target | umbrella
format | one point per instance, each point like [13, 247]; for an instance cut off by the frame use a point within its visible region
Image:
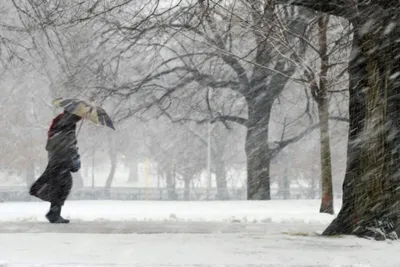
[85, 110]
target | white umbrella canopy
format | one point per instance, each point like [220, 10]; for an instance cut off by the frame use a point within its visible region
[85, 110]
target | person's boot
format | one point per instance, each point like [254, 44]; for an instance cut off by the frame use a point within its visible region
[54, 215]
[59, 218]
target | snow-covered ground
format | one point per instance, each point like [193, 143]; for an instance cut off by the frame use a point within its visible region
[194, 250]
[299, 211]
[233, 233]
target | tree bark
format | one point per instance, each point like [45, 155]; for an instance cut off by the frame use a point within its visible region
[326, 166]
[346, 220]
[257, 149]
[369, 196]
[320, 95]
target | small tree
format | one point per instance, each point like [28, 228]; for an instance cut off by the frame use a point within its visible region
[323, 82]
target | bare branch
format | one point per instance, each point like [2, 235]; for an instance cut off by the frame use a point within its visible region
[339, 8]
[337, 118]
[283, 143]
[236, 119]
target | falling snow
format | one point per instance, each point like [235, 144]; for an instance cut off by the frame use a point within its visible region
[199, 133]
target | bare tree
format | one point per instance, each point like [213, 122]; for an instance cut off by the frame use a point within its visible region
[178, 153]
[323, 82]
[200, 48]
[23, 122]
[113, 160]
[249, 47]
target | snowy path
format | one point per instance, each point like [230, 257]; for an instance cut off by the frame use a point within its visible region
[50, 249]
[168, 227]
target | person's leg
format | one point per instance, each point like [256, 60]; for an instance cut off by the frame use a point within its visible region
[63, 192]
[54, 213]
[60, 194]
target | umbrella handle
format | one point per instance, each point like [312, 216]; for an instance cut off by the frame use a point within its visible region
[83, 118]
[80, 126]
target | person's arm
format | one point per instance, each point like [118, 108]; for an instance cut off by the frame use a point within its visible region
[75, 160]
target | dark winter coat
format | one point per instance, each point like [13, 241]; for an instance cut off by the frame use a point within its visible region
[55, 183]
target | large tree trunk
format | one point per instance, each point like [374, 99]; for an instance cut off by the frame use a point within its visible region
[222, 185]
[257, 149]
[370, 199]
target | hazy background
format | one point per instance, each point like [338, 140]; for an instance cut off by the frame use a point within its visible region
[102, 60]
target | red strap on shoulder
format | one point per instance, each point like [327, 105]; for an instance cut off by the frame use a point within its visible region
[53, 123]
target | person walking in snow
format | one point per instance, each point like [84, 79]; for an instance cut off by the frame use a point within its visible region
[54, 185]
